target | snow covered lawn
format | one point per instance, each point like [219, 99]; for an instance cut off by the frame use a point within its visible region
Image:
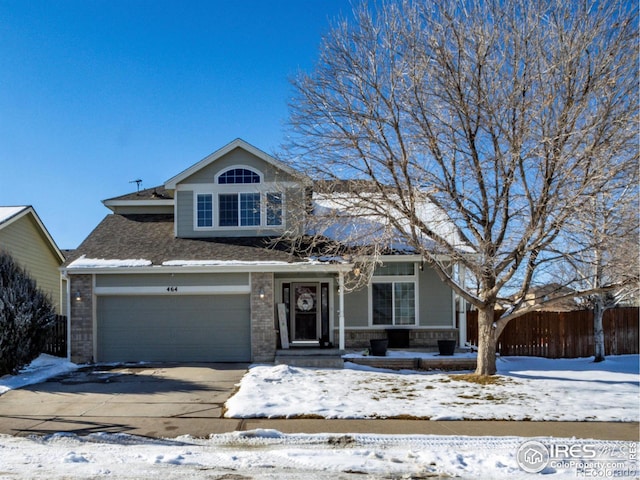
[527, 388]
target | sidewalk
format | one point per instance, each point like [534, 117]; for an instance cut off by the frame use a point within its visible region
[203, 427]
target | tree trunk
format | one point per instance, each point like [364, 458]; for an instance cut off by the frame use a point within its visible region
[598, 331]
[487, 342]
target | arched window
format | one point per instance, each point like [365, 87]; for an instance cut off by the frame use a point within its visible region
[238, 175]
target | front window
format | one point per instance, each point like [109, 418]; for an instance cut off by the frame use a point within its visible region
[243, 207]
[205, 210]
[238, 198]
[249, 209]
[394, 303]
[228, 210]
[274, 209]
[393, 294]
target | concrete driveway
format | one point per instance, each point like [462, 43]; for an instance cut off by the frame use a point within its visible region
[154, 401]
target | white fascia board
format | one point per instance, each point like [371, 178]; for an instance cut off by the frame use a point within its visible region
[179, 290]
[248, 268]
[237, 143]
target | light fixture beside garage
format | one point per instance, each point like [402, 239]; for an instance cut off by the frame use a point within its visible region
[261, 293]
[78, 296]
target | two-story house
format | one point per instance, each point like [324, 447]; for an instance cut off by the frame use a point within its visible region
[189, 272]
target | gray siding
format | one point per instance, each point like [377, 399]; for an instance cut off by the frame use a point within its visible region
[436, 306]
[356, 308]
[184, 215]
[238, 156]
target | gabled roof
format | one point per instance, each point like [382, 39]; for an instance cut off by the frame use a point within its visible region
[237, 143]
[9, 215]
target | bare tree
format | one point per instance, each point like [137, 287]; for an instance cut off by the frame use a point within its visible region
[497, 113]
[605, 238]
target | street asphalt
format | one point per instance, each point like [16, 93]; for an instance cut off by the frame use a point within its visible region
[166, 401]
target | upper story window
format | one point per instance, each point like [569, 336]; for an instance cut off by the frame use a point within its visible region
[238, 175]
[204, 210]
[238, 198]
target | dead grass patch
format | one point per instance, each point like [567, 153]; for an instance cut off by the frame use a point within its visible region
[479, 379]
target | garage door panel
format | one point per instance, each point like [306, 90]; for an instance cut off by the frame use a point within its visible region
[194, 328]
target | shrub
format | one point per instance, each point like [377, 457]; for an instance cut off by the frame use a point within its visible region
[26, 315]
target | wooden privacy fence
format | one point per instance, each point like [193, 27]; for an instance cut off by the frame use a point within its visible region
[57, 339]
[563, 334]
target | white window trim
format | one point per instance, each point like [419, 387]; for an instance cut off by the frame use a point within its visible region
[234, 167]
[396, 279]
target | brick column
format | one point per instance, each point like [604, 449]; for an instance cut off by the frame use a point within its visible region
[263, 333]
[81, 319]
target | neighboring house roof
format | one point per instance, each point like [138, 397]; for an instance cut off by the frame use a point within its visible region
[538, 295]
[151, 239]
[9, 215]
[237, 143]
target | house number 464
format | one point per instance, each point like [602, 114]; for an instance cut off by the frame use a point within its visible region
[172, 289]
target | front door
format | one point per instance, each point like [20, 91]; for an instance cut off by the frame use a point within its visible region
[305, 312]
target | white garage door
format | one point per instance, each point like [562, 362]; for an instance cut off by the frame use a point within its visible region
[194, 328]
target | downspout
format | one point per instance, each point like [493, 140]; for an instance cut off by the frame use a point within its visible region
[341, 309]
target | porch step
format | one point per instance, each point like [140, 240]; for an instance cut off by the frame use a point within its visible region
[310, 357]
[448, 363]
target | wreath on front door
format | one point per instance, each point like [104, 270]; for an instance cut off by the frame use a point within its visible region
[305, 302]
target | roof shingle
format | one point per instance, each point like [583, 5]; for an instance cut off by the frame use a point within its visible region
[151, 237]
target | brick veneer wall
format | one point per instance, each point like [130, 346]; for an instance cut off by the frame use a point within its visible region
[263, 333]
[81, 319]
[417, 338]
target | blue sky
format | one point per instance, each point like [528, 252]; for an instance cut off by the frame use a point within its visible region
[97, 93]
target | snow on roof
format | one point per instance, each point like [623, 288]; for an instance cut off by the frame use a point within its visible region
[7, 212]
[211, 263]
[352, 220]
[84, 262]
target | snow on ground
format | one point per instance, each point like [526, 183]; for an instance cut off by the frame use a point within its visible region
[268, 454]
[526, 388]
[42, 368]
